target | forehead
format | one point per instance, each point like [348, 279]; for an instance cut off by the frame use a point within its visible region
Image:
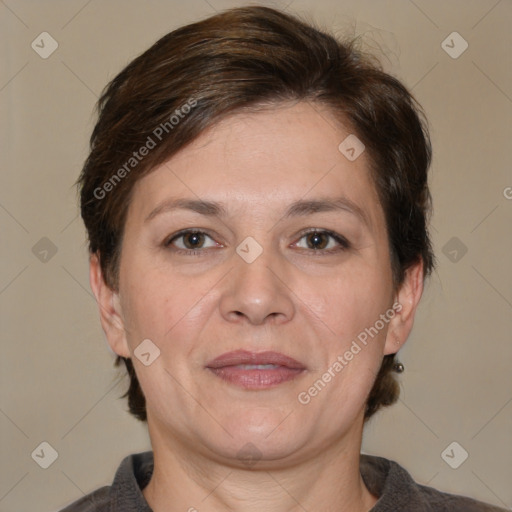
[265, 161]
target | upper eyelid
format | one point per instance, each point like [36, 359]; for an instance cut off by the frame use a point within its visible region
[184, 232]
[329, 232]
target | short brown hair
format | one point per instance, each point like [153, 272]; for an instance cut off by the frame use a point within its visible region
[246, 58]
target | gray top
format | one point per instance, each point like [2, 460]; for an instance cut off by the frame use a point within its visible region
[384, 478]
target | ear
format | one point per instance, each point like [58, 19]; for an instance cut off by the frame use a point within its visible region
[406, 303]
[110, 309]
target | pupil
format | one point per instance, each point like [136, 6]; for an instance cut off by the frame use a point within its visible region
[317, 237]
[193, 236]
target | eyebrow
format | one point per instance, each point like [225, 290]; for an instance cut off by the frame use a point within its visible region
[301, 207]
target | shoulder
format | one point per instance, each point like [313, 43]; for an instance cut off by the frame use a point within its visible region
[125, 493]
[444, 501]
[97, 501]
[396, 491]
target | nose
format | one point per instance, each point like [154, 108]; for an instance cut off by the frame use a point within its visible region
[258, 292]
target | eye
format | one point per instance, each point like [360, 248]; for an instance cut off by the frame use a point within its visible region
[318, 240]
[192, 242]
[191, 239]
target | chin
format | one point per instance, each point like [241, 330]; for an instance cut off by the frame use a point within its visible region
[256, 453]
[261, 432]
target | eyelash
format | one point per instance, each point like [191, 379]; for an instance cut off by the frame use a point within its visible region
[342, 241]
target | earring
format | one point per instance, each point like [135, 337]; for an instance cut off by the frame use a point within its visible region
[398, 367]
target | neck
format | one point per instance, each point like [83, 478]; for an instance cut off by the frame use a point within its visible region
[184, 480]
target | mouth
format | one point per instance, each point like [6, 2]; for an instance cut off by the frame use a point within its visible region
[255, 370]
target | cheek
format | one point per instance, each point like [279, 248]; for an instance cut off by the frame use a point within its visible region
[352, 337]
[146, 300]
[349, 302]
[165, 307]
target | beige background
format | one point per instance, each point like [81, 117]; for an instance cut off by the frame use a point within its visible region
[57, 380]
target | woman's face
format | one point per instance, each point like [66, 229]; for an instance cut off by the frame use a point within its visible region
[254, 280]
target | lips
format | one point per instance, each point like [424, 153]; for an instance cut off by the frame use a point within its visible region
[242, 357]
[255, 370]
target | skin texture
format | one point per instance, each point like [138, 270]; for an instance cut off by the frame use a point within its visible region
[307, 303]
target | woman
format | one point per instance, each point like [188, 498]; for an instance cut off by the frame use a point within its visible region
[256, 201]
